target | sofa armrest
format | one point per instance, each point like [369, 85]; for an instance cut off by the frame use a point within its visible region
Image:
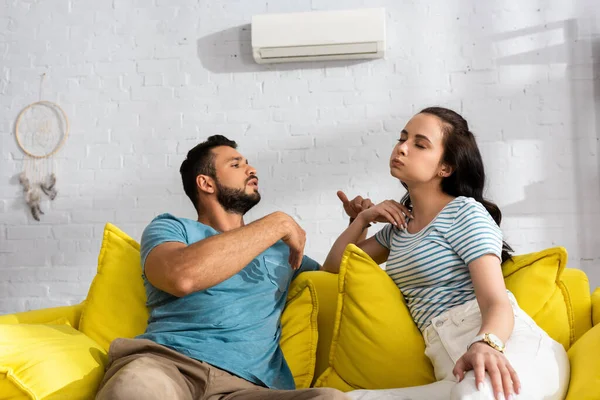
[596, 306]
[584, 357]
[45, 315]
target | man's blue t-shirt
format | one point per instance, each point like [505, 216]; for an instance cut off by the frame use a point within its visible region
[234, 325]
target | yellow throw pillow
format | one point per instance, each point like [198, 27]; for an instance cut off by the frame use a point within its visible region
[299, 334]
[49, 362]
[584, 358]
[534, 279]
[376, 344]
[116, 302]
[59, 321]
[596, 307]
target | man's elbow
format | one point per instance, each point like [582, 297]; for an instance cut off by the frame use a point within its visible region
[178, 286]
[181, 288]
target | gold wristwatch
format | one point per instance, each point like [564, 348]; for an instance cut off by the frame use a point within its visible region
[490, 339]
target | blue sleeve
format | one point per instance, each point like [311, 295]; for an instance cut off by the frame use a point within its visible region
[384, 236]
[308, 264]
[161, 230]
[474, 233]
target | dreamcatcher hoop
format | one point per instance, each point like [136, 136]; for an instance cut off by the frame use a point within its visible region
[36, 135]
[20, 139]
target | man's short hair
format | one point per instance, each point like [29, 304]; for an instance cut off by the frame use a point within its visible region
[201, 161]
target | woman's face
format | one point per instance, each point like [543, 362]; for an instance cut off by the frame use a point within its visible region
[416, 159]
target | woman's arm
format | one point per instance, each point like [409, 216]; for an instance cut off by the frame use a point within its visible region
[354, 234]
[496, 312]
[497, 317]
[387, 211]
[477, 240]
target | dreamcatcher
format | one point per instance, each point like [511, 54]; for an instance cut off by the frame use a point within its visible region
[41, 130]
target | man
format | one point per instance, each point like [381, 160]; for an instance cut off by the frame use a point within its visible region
[216, 289]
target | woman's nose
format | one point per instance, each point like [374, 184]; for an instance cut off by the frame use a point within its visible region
[402, 149]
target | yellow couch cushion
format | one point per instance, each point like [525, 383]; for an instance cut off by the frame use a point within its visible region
[596, 307]
[48, 362]
[116, 302]
[374, 332]
[325, 285]
[584, 357]
[535, 281]
[299, 334]
[45, 316]
[577, 290]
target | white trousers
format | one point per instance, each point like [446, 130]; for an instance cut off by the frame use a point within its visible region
[540, 362]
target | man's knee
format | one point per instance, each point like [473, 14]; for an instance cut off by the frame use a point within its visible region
[143, 378]
[329, 394]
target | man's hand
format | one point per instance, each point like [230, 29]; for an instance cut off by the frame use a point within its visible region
[355, 206]
[295, 238]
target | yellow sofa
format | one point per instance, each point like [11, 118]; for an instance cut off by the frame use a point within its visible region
[39, 363]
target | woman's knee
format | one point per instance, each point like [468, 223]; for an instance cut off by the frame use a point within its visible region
[467, 389]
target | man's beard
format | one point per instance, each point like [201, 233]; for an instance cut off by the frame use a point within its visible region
[236, 201]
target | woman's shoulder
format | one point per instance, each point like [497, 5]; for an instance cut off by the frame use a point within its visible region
[468, 214]
[459, 212]
[463, 205]
[455, 207]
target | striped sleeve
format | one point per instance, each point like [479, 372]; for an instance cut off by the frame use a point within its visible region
[474, 233]
[384, 236]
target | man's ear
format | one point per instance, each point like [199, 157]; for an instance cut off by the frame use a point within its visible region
[205, 184]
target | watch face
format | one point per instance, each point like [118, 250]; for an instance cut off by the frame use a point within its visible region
[495, 340]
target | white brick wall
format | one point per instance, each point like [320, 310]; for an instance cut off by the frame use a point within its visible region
[144, 81]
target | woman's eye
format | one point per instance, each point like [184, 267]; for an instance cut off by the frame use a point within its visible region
[236, 165]
[420, 146]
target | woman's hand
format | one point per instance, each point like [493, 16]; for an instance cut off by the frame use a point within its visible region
[388, 211]
[481, 358]
[354, 206]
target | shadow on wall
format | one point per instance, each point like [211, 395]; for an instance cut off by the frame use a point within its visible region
[595, 45]
[230, 51]
[555, 54]
[580, 54]
[595, 50]
[596, 69]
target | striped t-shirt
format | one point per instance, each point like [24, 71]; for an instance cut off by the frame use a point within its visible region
[431, 267]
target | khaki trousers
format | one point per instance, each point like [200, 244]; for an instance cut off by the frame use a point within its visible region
[143, 369]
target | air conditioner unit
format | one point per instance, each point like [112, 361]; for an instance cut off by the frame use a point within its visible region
[318, 35]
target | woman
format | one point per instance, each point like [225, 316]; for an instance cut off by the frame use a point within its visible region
[443, 248]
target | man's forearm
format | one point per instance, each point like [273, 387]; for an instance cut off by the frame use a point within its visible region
[217, 258]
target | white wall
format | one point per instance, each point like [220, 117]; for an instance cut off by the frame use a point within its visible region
[143, 81]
